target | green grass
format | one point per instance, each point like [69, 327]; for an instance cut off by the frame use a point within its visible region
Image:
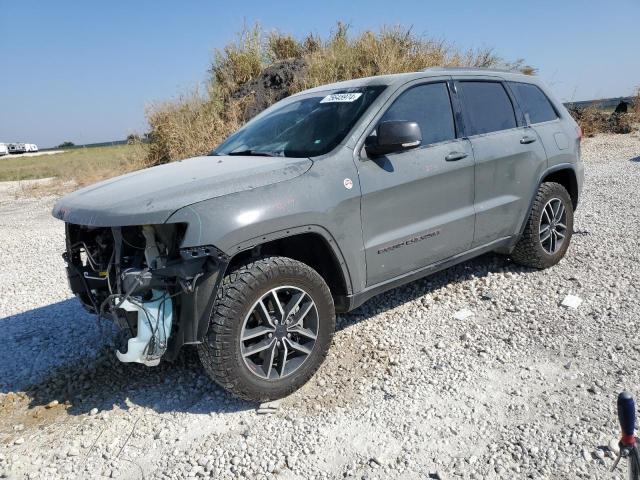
[82, 165]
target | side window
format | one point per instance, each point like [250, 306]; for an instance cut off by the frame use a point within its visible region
[533, 101]
[486, 107]
[430, 106]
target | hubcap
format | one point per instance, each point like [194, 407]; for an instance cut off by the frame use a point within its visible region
[553, 226]
[279, 333]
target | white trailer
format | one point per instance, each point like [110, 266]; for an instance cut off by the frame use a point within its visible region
[17, 148]
[4, 150]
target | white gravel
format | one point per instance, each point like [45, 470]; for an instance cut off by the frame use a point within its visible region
[31, 154]
[522, 389]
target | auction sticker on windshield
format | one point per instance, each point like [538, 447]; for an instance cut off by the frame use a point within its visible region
[341, 97]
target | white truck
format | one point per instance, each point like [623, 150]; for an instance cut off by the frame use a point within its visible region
[4, 150]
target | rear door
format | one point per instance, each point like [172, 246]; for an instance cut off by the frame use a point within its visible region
[509, 158]
[417, 205]
[545, 120]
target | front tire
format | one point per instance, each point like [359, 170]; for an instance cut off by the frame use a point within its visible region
[271, 328]
[548, 231]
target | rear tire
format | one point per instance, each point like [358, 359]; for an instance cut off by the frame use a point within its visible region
[256, 307]
[549, 228]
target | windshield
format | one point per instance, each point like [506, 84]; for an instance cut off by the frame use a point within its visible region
[311, 126]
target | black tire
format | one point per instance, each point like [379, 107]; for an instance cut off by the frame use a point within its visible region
[529, 250]
[241, 288]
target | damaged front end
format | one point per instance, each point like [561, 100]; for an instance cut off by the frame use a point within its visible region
[159, 295]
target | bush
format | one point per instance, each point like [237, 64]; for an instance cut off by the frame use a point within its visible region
[593, 120]
[257, 70]
[190, 125]
[133, 139]
[66, 144]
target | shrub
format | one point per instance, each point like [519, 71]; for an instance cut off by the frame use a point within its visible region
[392, 50]
[237, 63]
[282, 47]
[190, 125]
[133, 139]
[257, 69]
[593, 120]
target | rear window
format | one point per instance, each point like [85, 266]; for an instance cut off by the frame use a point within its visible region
[533, 101]
[486, 107]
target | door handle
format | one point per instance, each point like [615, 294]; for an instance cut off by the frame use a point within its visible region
[527, 139]
[453, 156]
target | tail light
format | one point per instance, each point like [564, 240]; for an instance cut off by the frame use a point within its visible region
[579, 132]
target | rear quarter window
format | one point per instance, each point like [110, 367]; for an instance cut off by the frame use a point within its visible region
[486, 107]
[533, 102]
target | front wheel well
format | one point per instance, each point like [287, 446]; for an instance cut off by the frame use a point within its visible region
[309, 248]
[567, 178]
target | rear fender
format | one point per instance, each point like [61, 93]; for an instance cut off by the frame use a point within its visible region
[556, 168]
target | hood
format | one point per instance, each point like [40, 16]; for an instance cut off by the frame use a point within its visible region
[150, 196]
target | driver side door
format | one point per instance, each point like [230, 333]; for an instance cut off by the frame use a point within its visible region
[418, 205]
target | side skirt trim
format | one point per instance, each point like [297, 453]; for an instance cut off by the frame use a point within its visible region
[351, 302]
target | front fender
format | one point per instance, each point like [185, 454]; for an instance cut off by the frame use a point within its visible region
[246, 237]
[316, 202]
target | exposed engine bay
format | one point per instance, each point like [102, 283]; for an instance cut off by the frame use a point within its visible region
[158, 295]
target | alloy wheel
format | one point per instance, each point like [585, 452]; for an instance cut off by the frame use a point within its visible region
[553, 226]
[279, 333]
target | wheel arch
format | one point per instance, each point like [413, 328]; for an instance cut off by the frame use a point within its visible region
[566, 176]
[310, 244]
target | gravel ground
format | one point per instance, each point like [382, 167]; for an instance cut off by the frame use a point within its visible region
[31, 154]
[523, 389]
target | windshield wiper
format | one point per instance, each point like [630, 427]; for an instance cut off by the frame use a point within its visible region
[255, 153]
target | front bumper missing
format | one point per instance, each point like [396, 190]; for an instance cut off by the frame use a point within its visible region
[159, 309]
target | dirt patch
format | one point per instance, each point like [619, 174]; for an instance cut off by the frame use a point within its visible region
[103, 381]
[44, 188]
[73, 390]
[18, 416]
[272, 85]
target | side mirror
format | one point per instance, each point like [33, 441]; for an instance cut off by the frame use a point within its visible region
[393, 136]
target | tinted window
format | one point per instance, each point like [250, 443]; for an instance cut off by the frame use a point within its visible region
[428, 105]
[486, 107]
[533, 101]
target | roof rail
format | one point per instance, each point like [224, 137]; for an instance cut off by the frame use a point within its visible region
[475, 69]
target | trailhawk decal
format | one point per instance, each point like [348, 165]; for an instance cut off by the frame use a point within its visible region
[410, 241]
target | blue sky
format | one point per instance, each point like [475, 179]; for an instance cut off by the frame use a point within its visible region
[85, 71]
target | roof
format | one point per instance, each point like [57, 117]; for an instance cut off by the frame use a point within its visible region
[473, 70]
[399, 78]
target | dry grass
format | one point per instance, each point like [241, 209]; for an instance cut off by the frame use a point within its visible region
[593, 120]
[73, 168]
[195, 123]
[391, 50]
[190, 126]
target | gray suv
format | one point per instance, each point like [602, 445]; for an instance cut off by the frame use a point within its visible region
[325, 199]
